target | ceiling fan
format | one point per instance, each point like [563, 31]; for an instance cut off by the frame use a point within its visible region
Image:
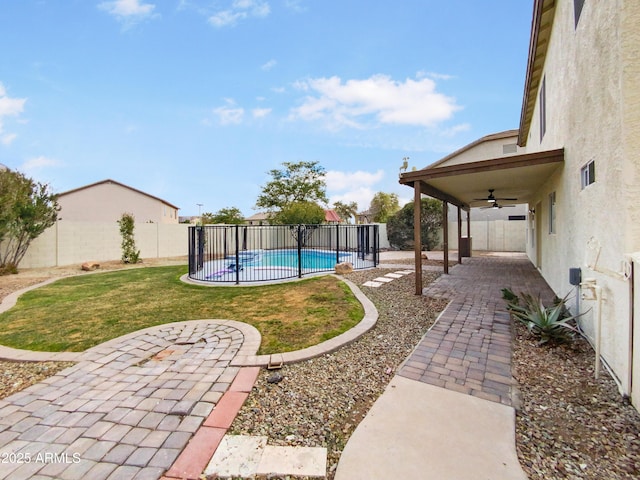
[492, 199]
[496, 205]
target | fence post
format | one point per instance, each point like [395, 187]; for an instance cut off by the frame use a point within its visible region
[337, 243]
[376, 244]
[237, 256]
[299, 251]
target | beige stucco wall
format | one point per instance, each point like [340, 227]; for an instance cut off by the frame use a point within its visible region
[591, 81]
[106, 202]
[69, 243]
[485, 150]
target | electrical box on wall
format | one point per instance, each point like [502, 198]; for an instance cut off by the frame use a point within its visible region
[575, 276]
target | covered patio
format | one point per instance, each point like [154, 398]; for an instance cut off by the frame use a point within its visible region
[475, 183]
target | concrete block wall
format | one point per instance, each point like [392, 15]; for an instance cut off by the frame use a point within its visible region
[493, 236]
[68, 243]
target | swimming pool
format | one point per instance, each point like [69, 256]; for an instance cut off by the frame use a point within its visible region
[251, 253]
[257, 265]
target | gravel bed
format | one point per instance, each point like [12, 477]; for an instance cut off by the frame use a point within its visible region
[319, 402]
[570, 425]
[15, 376]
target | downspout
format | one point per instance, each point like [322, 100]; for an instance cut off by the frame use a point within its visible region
[631, 321]
[592, 291]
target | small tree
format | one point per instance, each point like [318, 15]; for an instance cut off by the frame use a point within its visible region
[297, 182]
[400, 225]
[228, 216]
[303, 218]
[27, 209]
[129, 252]
[306, 213]
[346, 210]
[383, 205]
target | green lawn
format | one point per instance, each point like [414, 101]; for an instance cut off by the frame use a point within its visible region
[76, 313]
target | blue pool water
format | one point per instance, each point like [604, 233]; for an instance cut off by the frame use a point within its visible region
[311, 259]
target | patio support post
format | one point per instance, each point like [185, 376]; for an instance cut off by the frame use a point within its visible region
[445, 235]
[417, 238]
[459, 234]
[469, 232]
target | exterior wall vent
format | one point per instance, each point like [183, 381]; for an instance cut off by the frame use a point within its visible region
[510, 148]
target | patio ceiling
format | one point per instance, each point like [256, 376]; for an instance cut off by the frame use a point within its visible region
[516, 176]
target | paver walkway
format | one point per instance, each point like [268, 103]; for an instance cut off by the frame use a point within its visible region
[468, 350]
[129, 407]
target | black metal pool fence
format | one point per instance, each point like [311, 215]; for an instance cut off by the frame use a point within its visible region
[254, 253]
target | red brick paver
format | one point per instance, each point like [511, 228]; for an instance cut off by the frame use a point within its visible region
[468, 350]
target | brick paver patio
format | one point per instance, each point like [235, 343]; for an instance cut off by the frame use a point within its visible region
[469, 348]
[129, 407]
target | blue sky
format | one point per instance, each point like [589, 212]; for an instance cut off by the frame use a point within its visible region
[195, 101]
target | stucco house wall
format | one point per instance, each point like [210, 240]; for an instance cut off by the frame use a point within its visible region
[592, 92]
[107, 200]
[501, 144]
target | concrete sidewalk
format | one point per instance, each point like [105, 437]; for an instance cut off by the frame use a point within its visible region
[448, 413]
[416, 430]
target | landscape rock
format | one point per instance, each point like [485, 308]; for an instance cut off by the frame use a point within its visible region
[90, 266]
[344, 268]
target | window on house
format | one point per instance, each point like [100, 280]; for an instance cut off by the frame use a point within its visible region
[588, 174]
[577, 9]
[543, 107]
[552, 212]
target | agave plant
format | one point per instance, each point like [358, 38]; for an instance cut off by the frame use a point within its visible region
[510, 297]
[546, 323]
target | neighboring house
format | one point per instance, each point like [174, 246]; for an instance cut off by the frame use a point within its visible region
[260, 218]
[107, 200]
[330, 216]
[577, 166]
[364, 217]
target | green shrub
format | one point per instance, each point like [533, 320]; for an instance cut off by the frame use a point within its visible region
[129, 252]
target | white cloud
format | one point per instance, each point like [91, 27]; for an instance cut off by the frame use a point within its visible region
[337, 181]
[9, 107]
[38, 163]
[361, 195]
[295, 5]
[260, 112]
[269, 65]
[352, 186]
[435, 75]
[7, 138]
[240, 10]
[230, 113]
[373, 101]
[128, 11]
[453, 131]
